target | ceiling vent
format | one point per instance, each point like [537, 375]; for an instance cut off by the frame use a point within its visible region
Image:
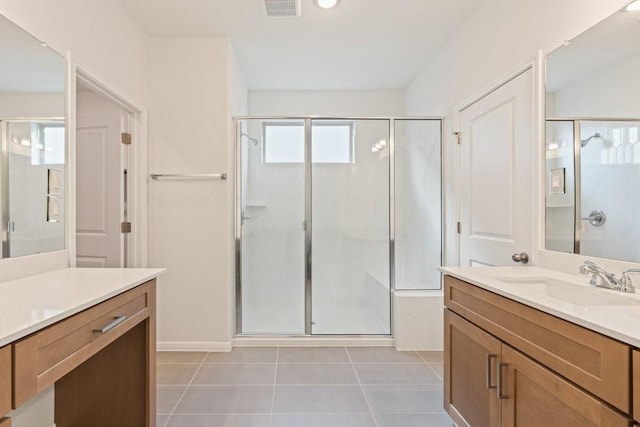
[282, 8]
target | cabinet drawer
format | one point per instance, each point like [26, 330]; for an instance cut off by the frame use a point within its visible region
[5, 422]
[595, 362]
[5, 380]
[46, 356]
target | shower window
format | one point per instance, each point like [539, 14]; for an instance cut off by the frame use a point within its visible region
[332, 142]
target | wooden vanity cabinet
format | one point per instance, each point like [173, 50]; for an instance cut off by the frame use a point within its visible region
[507, 364]
[5, 381]
[470, 390]
[101, 360]
[5, 422]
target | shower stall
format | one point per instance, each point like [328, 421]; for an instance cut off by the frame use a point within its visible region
[332, 215]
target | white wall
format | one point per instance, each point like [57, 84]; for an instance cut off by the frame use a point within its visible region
[22, 105]
[194, 85]
[500, 37]
[101, 36]
[602, 93]
[327, 103]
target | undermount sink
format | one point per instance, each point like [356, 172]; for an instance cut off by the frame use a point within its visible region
[570, 292]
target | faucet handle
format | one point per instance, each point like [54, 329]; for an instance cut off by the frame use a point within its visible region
[625, 280]
[587, 267]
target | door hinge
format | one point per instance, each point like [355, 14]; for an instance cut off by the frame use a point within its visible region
[126, 138]
[458, 136]
[125, 227]
[459, 228]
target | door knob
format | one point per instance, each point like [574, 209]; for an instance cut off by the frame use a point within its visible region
[521, 257]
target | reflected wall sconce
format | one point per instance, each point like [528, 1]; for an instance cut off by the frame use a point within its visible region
[380, 145]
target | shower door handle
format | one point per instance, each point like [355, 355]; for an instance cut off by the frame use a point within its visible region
[243, 217]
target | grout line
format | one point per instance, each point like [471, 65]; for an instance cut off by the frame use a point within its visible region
[366, 399]
[275, 379]
[436, 372]
[431, 367]
[185, 390]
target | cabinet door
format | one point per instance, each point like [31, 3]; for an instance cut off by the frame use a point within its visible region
[5, 380]
[471, 357]
[534, 396]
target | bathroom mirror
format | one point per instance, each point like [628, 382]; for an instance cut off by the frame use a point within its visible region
[592, 189]
[32, 159]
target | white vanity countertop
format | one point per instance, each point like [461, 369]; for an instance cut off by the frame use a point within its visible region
[570, 297]
[32, 303]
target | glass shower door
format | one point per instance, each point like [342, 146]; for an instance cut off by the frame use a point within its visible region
[272, 177]
[350, 227]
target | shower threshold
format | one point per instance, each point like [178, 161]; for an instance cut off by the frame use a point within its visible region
[313, 341]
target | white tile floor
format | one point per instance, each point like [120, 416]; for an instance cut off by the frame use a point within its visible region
[301, 387]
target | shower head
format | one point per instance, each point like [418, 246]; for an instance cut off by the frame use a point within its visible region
[584, 142]
[253, 140]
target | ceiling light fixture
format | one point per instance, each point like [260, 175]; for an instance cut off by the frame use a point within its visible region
[326, 4]
[632, 7]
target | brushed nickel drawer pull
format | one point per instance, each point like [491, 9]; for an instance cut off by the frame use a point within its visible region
[499, 392]
[116, 321]
[490, 359]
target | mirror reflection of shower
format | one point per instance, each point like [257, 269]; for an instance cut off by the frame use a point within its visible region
[597, 135]
[603, 158]
[254, 141]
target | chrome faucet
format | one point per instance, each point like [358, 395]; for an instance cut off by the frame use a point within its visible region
[602, 278]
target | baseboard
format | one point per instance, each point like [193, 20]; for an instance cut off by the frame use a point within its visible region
[208, 346]
[257, 341]
[419, 349]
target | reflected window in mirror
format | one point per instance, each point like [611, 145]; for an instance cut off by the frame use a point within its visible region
[592, 141]
[33, 139]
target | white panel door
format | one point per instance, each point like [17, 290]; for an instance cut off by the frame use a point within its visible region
[99, 189]
[496, 175]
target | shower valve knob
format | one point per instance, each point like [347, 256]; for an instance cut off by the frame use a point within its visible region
[596, 218]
